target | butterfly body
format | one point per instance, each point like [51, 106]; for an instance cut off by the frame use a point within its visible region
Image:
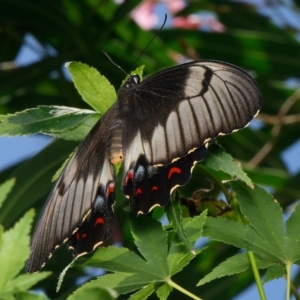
[158, 128]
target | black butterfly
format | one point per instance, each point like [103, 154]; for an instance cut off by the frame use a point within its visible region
[159, 128]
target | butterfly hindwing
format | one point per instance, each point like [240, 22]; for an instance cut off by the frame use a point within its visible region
[75, 194]
[147, 186]
[98, 225]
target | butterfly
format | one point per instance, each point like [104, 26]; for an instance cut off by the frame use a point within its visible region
[158, 128]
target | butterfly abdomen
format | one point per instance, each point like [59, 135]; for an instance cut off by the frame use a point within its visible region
[115, 149]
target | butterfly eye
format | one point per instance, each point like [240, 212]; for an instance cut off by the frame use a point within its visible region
[132, 81]
[136, 79]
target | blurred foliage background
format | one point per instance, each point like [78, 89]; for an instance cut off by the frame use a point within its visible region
[261, 37]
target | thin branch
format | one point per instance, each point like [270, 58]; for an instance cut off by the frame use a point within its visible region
[295, 290]
[286, 120]
[278, 122]
[216, 180]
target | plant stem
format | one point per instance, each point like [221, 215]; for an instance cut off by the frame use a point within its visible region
[295, 291]
[177, 222]
[229, 198]
[234, 204]
[256, 275]
[217, 180]
[182, 290]
[288, 281]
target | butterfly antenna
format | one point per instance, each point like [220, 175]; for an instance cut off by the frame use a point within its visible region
[158, 32]
[113, 62]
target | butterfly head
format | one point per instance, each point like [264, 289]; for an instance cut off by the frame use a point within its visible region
[125, 94]
[132, 81]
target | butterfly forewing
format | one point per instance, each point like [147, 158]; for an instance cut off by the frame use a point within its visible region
[160, 128]
[181, 108]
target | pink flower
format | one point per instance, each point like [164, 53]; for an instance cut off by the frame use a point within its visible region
[174, 6]
[144, 14]
[198, 22]
[215, 25]
[189, 22]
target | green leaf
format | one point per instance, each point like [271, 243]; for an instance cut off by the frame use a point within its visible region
[59, 121]
[217, 159]
[122, 283]
[5, 188]
[93, 293]
[274, 272]
[23, 282]
[194, 227]
[93, 87]
[264, 235]
[174, 215]
[62, 275]
[163, 291]
[133, 272]
[79, 132]
[138, 71]
[178, 256]
[144, 293]
[35, 187]
[264, 214]
[151, 241]
[115, 260]
[292, 245]
[273, 177]
[233, 265]
[15, 249]
[8, 297]
[237, 234]
[1, 235]
[30, 296]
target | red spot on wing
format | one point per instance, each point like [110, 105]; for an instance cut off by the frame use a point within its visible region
[128, 177]
[99, 221]
[138, 191]
[78, 237]
[173, 170]
[154, 188]
[110, 189]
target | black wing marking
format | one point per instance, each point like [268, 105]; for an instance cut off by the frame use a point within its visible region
[99, 224]
[179, 109]
[75, 196]
[147, 186]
